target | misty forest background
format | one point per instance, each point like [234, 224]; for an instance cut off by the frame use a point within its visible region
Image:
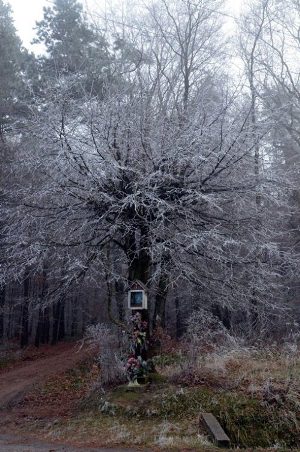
[151, 143]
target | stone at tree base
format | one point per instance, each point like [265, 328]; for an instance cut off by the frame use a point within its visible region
[137, 387]
[215, 430]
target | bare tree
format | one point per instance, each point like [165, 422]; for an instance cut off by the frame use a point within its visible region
[154, 180]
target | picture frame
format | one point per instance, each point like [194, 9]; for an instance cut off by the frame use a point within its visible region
[137, 299]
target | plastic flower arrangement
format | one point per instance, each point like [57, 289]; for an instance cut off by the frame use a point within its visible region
[139, 343]
[136, 366]
[136, 369]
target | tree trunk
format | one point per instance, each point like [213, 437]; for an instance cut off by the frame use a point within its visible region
[119, 294]
[223, 314]
[139, 267]
[61, 327]
[178, 318]
[162, 292]
[24, 317]
[159, 316]
[58, 321]
[46, 327]
[2, 305]
[42, 331]
[38, 330]
[138, 256]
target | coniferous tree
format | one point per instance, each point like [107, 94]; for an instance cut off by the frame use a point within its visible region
[10, 96]
[10, 69]
[74, 47]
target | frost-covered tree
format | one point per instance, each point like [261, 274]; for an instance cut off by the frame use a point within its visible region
[154, 180]
[275, 89]
[74, 47]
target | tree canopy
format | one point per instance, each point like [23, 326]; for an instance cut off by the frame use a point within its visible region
[145, 157]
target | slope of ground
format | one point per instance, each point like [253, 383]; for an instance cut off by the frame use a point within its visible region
[254, 394]
[13, 444]
[15, 381]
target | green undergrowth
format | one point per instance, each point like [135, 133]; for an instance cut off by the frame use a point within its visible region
[248, 421]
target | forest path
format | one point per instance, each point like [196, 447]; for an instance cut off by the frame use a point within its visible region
[16, 381]
[10, 443]
[16, 419]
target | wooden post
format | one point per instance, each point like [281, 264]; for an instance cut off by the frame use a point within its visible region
[214, 429]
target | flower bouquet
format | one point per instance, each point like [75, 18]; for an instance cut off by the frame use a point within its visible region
[136, 370]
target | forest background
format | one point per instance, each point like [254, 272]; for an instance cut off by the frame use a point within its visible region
[151, 144]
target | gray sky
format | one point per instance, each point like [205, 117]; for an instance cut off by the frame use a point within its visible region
[27, 12]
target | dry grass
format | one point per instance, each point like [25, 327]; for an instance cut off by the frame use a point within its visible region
[248, 369]
[255, 394]
[101, 430]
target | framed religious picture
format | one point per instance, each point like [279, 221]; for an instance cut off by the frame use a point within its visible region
[137, 296]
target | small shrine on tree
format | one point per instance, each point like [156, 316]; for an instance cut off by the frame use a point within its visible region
[137, 366]
[137, 296]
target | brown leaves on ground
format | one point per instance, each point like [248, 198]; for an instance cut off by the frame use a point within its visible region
[52, 383]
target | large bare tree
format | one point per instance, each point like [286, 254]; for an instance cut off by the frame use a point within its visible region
[154, 180]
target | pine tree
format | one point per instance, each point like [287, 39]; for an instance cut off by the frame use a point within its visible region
[10, 68]
[73, 46]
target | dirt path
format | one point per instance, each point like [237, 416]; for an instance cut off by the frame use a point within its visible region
[13, 444]
[15, 382]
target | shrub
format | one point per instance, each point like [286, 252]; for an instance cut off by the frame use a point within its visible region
[110, 348]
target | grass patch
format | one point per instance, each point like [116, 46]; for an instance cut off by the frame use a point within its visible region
[249, 422]
[91, 429]
[255, 397]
